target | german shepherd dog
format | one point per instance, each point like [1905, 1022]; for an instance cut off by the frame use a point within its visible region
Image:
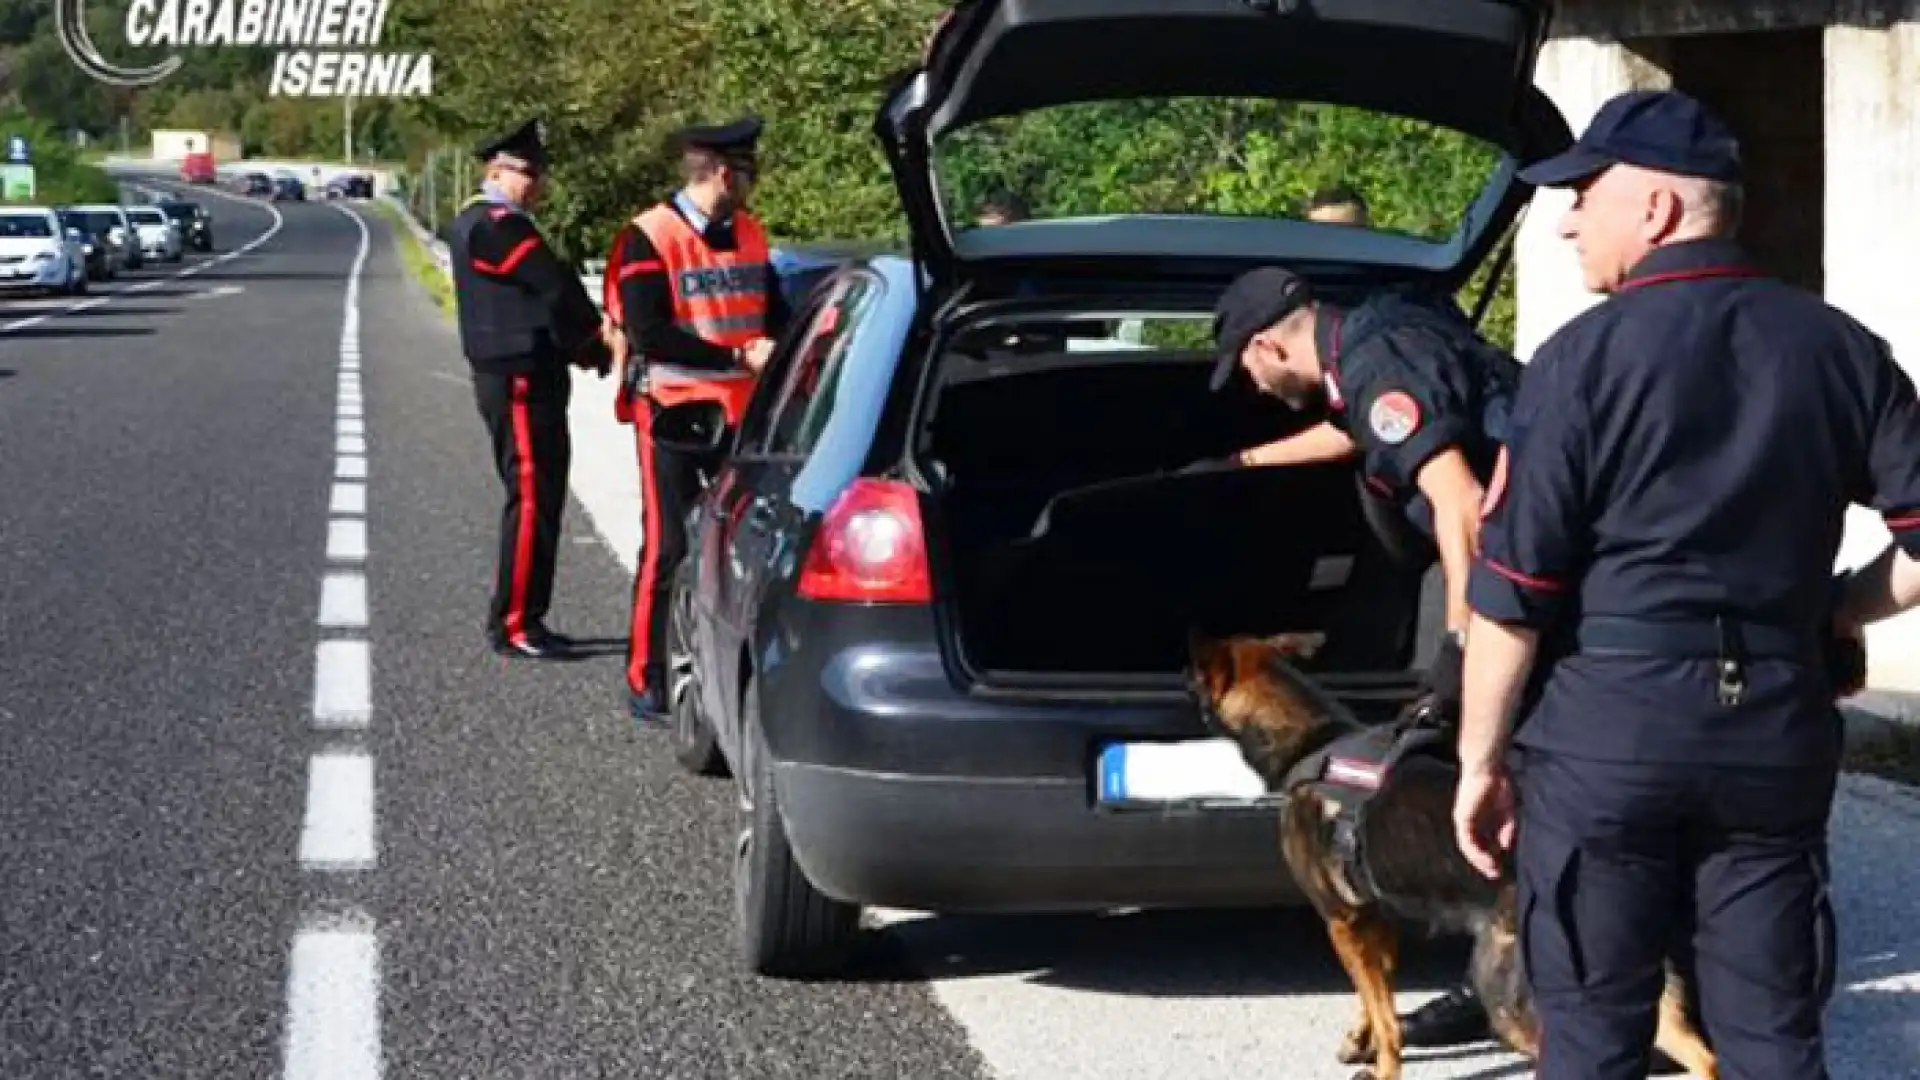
[1250, 690]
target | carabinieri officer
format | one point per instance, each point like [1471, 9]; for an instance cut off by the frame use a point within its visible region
[1655, 595]
[524, 316]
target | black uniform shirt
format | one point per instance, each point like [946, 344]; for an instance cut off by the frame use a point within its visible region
[503, 245]
[646, 298]
[1406, 380]
[1687, 449]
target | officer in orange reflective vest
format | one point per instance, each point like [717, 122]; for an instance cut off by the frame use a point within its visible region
[524, 317]
[690, 282]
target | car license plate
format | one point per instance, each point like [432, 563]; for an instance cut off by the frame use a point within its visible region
[1194, 771]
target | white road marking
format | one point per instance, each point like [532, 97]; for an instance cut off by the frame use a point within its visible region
[343, 685]
[333, 1003]
[343, 601]
[347, 540]
[349, 412]
[348, 499]
[154, 283]
[351, 427]
[338, 831]
[351, 468]
[350, 444]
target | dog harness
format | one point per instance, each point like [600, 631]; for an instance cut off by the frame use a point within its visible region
[1352, 770]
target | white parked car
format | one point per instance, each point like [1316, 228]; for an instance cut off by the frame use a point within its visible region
[122, 233]
[37, 253]
[160, 237]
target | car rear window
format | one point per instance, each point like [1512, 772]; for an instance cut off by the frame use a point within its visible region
[25, 226]
[147, 215]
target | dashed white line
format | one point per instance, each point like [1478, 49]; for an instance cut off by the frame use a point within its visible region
[351, 468]
[352, 427]
[348, 499]
[351, 444]
[347, 540]
[338, 831]
[343, 602]
[343, 685]
[333, 1003]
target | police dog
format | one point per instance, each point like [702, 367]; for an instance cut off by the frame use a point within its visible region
[1251, 690]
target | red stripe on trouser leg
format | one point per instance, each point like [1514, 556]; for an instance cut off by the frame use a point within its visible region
[649, 569]
[515, 623]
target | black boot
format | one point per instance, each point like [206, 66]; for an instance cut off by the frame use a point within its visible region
[1452, 1019]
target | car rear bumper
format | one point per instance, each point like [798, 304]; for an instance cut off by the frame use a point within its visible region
[982, 843]
[900, 791]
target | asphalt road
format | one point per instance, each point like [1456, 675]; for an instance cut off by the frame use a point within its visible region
[269, 808]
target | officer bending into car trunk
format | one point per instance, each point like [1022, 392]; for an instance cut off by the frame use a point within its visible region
[1420, 400]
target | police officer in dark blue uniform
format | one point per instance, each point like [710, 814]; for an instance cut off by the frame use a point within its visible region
[1421, 401]
[524, 318]
[1655, 596]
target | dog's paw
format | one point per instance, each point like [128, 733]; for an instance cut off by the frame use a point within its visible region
[1365, 1074]
[1355, 1050]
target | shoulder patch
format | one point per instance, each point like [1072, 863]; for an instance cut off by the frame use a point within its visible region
[1394, 417]
[495, 213]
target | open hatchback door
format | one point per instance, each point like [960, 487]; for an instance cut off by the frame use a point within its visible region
[1066, 102]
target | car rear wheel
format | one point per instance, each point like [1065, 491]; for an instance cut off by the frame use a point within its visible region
[784, 926]
[694, 745]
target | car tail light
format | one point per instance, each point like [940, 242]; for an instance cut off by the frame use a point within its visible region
[870, 547]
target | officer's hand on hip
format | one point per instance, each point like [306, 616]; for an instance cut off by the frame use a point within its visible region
[1483, 821]
[756, 354]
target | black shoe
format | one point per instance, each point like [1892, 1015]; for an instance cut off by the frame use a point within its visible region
[535, 647]
[649, 709]
[1452, 1019]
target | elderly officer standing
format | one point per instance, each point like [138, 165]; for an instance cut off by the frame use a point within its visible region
[1655, 585]
[690, 283]
[524, 316]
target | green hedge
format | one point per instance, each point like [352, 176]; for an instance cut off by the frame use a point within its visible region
[60, 176]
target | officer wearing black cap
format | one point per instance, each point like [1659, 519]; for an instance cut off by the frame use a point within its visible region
[1421, 400]
[690, 284]
[524, 317]
[1654, 594]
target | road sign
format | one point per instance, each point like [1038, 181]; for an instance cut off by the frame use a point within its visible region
[17, 150]
[16, 183]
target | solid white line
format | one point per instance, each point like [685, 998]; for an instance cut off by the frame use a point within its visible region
[343, 601]
[347, 540]
[343, 685]
[351, 468]
[350, 444]
[348, 499]
[333, 1004]
[338, 832]
[154, 283]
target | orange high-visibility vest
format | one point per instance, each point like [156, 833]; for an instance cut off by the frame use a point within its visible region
[718, 296]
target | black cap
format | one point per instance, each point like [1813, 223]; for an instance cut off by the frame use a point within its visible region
[526, 142]
[735, 141]
[1663, 130]
[1255, 301]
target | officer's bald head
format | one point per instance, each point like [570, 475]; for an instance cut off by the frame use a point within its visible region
[1623, 212]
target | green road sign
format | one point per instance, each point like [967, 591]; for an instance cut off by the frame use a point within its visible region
[16, 183]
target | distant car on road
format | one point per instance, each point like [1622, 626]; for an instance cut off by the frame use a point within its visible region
[350, 186]
[112, 217]
[253, 184]
[198, 168]
[106, 258]
[289, 189]
[38, 253]
[195, 222]
[160, 238]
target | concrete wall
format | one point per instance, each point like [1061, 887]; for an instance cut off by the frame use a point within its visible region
[1871, 198]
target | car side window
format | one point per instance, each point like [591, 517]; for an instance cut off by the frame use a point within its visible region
[807, 395]
[757, 422]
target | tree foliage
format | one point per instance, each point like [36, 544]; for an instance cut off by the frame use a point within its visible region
[614, 78]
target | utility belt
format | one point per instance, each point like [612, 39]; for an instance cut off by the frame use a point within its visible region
[644, 375]
[1730, 643]
[670, 384]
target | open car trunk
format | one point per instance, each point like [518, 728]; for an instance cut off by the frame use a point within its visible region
[1070, 553]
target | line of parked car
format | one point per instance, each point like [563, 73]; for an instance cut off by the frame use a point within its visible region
[64, 249]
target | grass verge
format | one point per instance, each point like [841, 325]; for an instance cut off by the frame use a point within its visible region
[418, 260]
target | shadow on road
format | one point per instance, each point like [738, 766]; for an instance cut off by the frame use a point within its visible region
[56, 330]
[1232, 953]
[120, 309]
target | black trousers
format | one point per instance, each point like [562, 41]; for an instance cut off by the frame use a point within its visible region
[1612, 857]
[669, 485]
[526, 416]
